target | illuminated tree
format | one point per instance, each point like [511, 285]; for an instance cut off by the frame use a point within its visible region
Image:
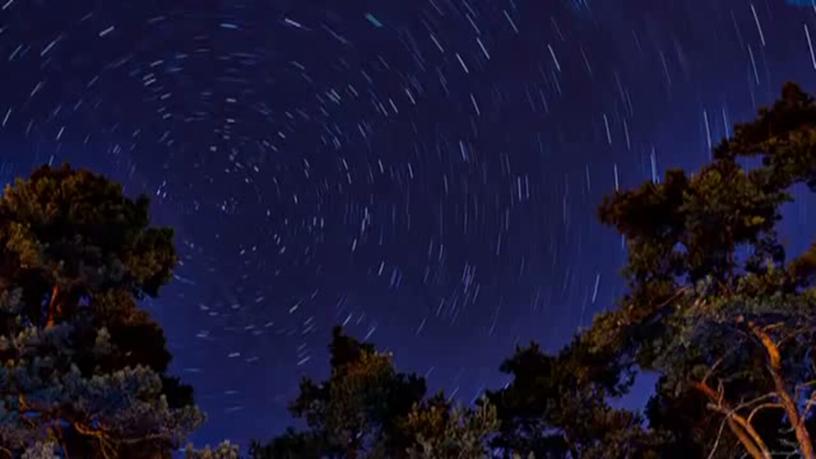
[82, 367]
[713, 307]
[368, 409]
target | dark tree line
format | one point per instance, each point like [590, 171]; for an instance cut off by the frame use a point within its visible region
[714, 307]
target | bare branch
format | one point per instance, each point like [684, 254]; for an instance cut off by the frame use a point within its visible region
[717, 441]
[811, 401]
[775, 370]
[745, 433]
[762, 407]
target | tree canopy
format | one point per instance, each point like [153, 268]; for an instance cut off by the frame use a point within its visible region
[368, 409]
[714, 307]
[83, 367]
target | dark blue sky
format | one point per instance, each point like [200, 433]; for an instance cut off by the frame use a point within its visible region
[425, 171]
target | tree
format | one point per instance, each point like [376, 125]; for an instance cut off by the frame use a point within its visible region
[368, 409]
[713, 307]
[224, 450]
[557, 406]
[83, 367]
[290, 445]
[356, 411]
[446, 431]
[713, 304]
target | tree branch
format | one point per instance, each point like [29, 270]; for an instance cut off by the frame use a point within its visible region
[745, 433]
[811, 401]
[717, 441]
[54, 307]
[775, 369]
[762, 407]
[101, 437]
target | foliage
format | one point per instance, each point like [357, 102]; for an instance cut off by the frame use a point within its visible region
[450, 432]
[83, 368]
[225, 450]
[712, 307]
[556, 406]
[368, 409]
[357, 410]
[290, 445]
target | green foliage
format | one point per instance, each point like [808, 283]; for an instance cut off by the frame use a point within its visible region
[450, 432]
[368, 409]
[291, 445]
[708, 273]
[357, 410]
[78, 230]
[558, 406]
[713, 307]
[82, 368]
[225, 450]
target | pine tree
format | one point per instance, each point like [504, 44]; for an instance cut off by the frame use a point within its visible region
[82, 367]
[714, 308]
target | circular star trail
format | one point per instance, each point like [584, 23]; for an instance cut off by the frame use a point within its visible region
[424, 172]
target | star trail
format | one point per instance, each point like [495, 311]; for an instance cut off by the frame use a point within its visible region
[423, 172]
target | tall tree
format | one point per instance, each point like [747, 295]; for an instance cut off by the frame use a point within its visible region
[713, 306]
[82, 367]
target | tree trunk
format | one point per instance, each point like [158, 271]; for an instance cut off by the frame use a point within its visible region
[54, 308]
[789, 405]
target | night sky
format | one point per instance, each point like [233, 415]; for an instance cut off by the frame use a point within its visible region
[425, 172]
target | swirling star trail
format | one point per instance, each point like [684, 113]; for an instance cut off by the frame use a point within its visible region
[424, 172]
